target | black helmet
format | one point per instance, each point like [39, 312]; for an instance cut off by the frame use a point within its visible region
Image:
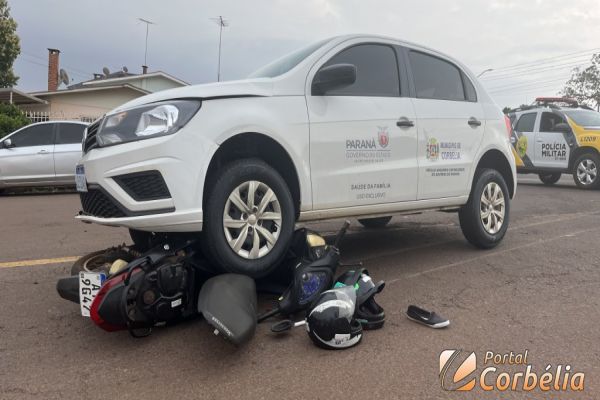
[330, 323]
[368, 312]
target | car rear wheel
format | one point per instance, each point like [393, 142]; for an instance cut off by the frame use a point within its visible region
[484, 219]
[550, 179]
[249, 218]
[374, 223]
[586, 171]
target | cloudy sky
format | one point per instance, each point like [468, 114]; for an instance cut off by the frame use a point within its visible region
[531, 44]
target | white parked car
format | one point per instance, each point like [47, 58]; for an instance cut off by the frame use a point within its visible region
[41, 154]
[354, 126]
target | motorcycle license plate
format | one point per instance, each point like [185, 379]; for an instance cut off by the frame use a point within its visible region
[89, 285]
[80, 181]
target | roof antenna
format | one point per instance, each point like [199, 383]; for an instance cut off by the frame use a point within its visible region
[148, 23]
[222, 22]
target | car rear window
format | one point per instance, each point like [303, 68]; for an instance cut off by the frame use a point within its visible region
[435, 78]
[585, 118]
[70, 133]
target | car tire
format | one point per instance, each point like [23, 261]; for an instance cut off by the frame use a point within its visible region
[485, 228]
[585, 171]
[550, 179]
[255, 240]
[375, 223]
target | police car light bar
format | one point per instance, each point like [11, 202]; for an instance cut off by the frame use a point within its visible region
[549, 100]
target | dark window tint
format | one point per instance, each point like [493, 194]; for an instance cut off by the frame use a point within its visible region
[549, 121]
[435, 78]
[70, 133]
[36, 135]
[470, 92]
[376, 71]
[526, 123]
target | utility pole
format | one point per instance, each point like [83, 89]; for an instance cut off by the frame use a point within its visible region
[148, 23]
[222, 22]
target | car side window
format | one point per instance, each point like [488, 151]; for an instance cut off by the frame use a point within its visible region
[435, 78]
[35, 135]
[70, 133]
[526, 123]
[376, 71]
[549, 121]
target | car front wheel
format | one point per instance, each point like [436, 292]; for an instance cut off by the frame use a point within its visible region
[484, 219]
[585, 173]
[249, 218]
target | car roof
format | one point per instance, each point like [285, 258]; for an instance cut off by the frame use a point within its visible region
[59, 122]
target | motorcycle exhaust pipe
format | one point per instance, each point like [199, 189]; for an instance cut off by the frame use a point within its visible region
[68, 288]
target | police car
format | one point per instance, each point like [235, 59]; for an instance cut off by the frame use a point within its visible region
[557, 136]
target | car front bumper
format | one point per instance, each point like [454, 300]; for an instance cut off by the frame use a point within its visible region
[181, 159]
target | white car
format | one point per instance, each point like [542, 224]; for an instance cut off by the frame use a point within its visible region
[41, 154]
[354, 126]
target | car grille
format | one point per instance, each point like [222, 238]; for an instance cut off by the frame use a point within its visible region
[90, 139]
[95, 203]
[144, 186]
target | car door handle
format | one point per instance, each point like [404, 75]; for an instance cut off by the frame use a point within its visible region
[405, 123]
[43, 152]
[474, 122]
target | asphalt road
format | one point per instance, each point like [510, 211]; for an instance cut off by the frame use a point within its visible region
[537, 291]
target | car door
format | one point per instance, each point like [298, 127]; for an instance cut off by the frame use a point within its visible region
[67, 150]
[358, 153]
[552, 147]
[29, 159]
[525, 132]
[451, 125]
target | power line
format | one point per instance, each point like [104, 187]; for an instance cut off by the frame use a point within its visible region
[69, 67]
[547, 60]
[524, 85]
[537, 70]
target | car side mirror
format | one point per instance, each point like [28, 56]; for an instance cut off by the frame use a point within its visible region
[7, 144]
[333, 77]
[562, 127]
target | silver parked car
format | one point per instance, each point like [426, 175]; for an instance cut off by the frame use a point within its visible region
[41, 154]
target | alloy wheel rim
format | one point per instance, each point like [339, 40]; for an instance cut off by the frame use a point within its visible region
[587, 172]
[252, 220]
[492, 208]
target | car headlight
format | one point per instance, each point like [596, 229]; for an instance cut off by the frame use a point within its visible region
[148, 121]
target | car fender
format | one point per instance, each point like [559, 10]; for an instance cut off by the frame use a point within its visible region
[281, 118]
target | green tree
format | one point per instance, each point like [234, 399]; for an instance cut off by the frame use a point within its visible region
[9, 46]
[584, 85]
[11, 119]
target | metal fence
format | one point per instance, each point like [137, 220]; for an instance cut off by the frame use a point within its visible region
[44, 116]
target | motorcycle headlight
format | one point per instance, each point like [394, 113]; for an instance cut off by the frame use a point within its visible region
[148, 121]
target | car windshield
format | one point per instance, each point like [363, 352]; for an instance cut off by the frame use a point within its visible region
[287, 62]
[584, 117]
